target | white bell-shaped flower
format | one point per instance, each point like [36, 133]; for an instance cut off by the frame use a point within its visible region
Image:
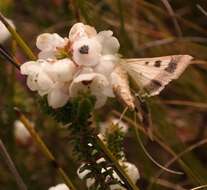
[21, 134]
[95, 83]
[61, 186]
[4, 33]
[50, 44]
[58, 95]
[37, 79]
[110, 44]
[80, 30]
[61, 70]
[86, 52]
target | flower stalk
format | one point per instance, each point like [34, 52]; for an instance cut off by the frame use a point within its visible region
[44, 148]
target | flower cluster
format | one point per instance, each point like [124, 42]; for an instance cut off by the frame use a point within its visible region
[68, 66]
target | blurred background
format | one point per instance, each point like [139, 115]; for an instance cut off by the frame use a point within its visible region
[145, 28]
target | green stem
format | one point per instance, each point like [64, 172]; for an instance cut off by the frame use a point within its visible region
[44, 148]
[12, 168]
[122, 174]
[18, 38]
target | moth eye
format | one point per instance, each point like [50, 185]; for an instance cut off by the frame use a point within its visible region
[147, 63]
[157, 63]
[84, 49]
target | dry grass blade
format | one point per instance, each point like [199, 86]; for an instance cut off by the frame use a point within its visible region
[202, 10]
[168, 184]
[8, 57]
[200, 187]
[190, 148]
[44, 148]
[12, 167]
[172, 14]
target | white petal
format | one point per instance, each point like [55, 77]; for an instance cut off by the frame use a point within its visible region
[4, 33]
[30, 67]
[82, 174]
[47, 42]
[100, 100]
[47, 54]
[21, 133]
[58, 96]
[59, 187]
[132, 171]
[44, 83]
[31, 83]
[63, 70]
[93, 82]
[109, 43]
[79, 30]
[106, 65]
[86, 52]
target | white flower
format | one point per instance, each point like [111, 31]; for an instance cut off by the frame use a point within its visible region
[110, 44]
[95, 83]
[61, 186]
[129, 168]
[58, 95]
[21, 133]
[50, 45]
[37, 79]
[51, 78]
[86, 51]
[79, 30]
[4, 33]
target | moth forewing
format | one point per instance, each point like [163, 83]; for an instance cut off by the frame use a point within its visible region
[153, 74]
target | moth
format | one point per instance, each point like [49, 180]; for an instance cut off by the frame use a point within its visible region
[151, 75]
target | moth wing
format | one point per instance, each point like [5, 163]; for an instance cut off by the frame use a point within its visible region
[153, 74]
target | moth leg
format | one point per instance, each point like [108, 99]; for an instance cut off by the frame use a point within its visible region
[144, 114]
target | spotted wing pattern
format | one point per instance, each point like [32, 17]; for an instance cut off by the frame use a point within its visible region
[153, 74]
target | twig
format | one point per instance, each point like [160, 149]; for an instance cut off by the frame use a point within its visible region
[12, 167]
[44, 148]
[18, 38]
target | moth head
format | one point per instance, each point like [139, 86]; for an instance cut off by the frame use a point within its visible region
[87, 52]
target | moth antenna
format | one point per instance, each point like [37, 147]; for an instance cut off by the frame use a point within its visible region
[148, 154]
[122, 114]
